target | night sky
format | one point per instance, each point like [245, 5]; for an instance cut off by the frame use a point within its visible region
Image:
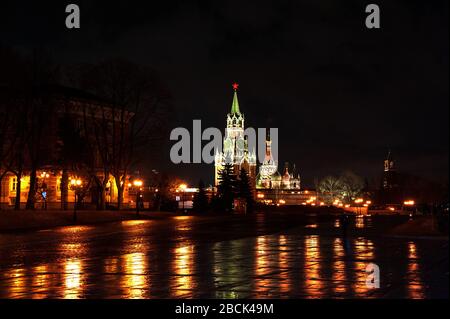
[340, 94]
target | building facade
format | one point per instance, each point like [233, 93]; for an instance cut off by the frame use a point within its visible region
[69, 108]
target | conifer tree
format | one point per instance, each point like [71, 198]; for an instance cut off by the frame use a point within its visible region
[227, 187]
[244, 189]
[200, 199]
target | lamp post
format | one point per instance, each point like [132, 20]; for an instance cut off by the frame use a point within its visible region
[44, 176]
[138, 184]
[410, 203]
[76, 185]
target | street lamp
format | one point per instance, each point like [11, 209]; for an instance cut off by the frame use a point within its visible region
[411, 203]
[138, 184]
[43, 187]
[76, 185]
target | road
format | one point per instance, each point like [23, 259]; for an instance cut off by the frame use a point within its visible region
[262, 256]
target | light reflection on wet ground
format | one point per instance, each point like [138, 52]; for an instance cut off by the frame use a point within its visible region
[172, 259]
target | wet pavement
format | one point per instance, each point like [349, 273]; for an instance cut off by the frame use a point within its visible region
[262, 256]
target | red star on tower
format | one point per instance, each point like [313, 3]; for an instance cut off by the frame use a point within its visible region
[235, 86]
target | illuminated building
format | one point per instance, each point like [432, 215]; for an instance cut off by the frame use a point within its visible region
[235, 146]
[269, 183]
[79, 110]
[269, 177]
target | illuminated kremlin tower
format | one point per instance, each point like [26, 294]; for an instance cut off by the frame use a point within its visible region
[235, 147]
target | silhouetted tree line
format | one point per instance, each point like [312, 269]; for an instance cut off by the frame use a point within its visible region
[346, 187]
[349, 186]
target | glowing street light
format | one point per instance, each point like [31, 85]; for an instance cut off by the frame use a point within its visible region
[76, 182]
[76, 185]
[408, 203]
[45, 175]
[138, 184]
[43, 187]
[182, 187]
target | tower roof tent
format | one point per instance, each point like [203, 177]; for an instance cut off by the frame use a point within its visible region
[235, 105]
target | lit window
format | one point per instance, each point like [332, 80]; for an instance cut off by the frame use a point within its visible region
[13, 184]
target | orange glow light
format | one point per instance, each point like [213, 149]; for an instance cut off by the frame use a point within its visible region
[138, 183]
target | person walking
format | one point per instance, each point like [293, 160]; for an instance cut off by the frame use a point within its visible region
[344, 221]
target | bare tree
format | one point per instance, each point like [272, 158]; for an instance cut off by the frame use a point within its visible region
[133, 117]
[352, 186]
[15, 163]
[74, 154]
[11, 64]
[331, 188]
[27, 108]
[38, 103]
[7, 141]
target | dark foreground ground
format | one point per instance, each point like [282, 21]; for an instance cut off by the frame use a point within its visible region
[267, 255]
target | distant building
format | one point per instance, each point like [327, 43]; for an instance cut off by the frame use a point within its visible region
[275, 189]
[290, 180]
[268, 176]
[397, 187]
